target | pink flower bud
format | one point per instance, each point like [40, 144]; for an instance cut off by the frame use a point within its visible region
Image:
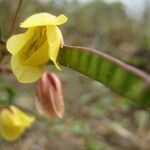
[49, 93]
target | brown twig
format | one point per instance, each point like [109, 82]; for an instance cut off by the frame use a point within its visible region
[3, 51]
[15, 17]
[2, 41]
[5, 69]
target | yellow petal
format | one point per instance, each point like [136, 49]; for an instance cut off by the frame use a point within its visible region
[9, 127]
[26, 74]
[38, 57]
[43, 19]
[54, 38]
[13, 122]
[24, 119]
[10, 133]
[16, 42]
[6, 117]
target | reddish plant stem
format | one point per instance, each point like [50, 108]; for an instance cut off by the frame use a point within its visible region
[5, 69]
[2, 41]
[15, 17]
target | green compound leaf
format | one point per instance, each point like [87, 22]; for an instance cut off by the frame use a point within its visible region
[122, 78]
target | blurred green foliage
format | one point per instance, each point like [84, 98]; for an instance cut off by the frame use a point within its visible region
[8, 94]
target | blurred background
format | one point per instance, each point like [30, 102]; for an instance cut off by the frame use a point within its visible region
[95, 117]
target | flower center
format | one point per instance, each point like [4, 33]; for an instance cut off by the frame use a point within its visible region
[35, 51]
[38, 39]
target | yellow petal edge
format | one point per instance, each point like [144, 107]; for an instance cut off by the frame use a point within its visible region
[43, 19]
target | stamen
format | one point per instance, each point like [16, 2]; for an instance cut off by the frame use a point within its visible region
[37, 40]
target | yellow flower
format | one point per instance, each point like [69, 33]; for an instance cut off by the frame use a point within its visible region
[13, 122]
[32, 50]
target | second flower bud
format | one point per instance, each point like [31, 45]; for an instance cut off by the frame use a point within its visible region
[49, 93]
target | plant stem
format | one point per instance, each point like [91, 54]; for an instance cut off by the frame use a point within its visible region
[15, 17]
[5, 69]
[2, 41]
